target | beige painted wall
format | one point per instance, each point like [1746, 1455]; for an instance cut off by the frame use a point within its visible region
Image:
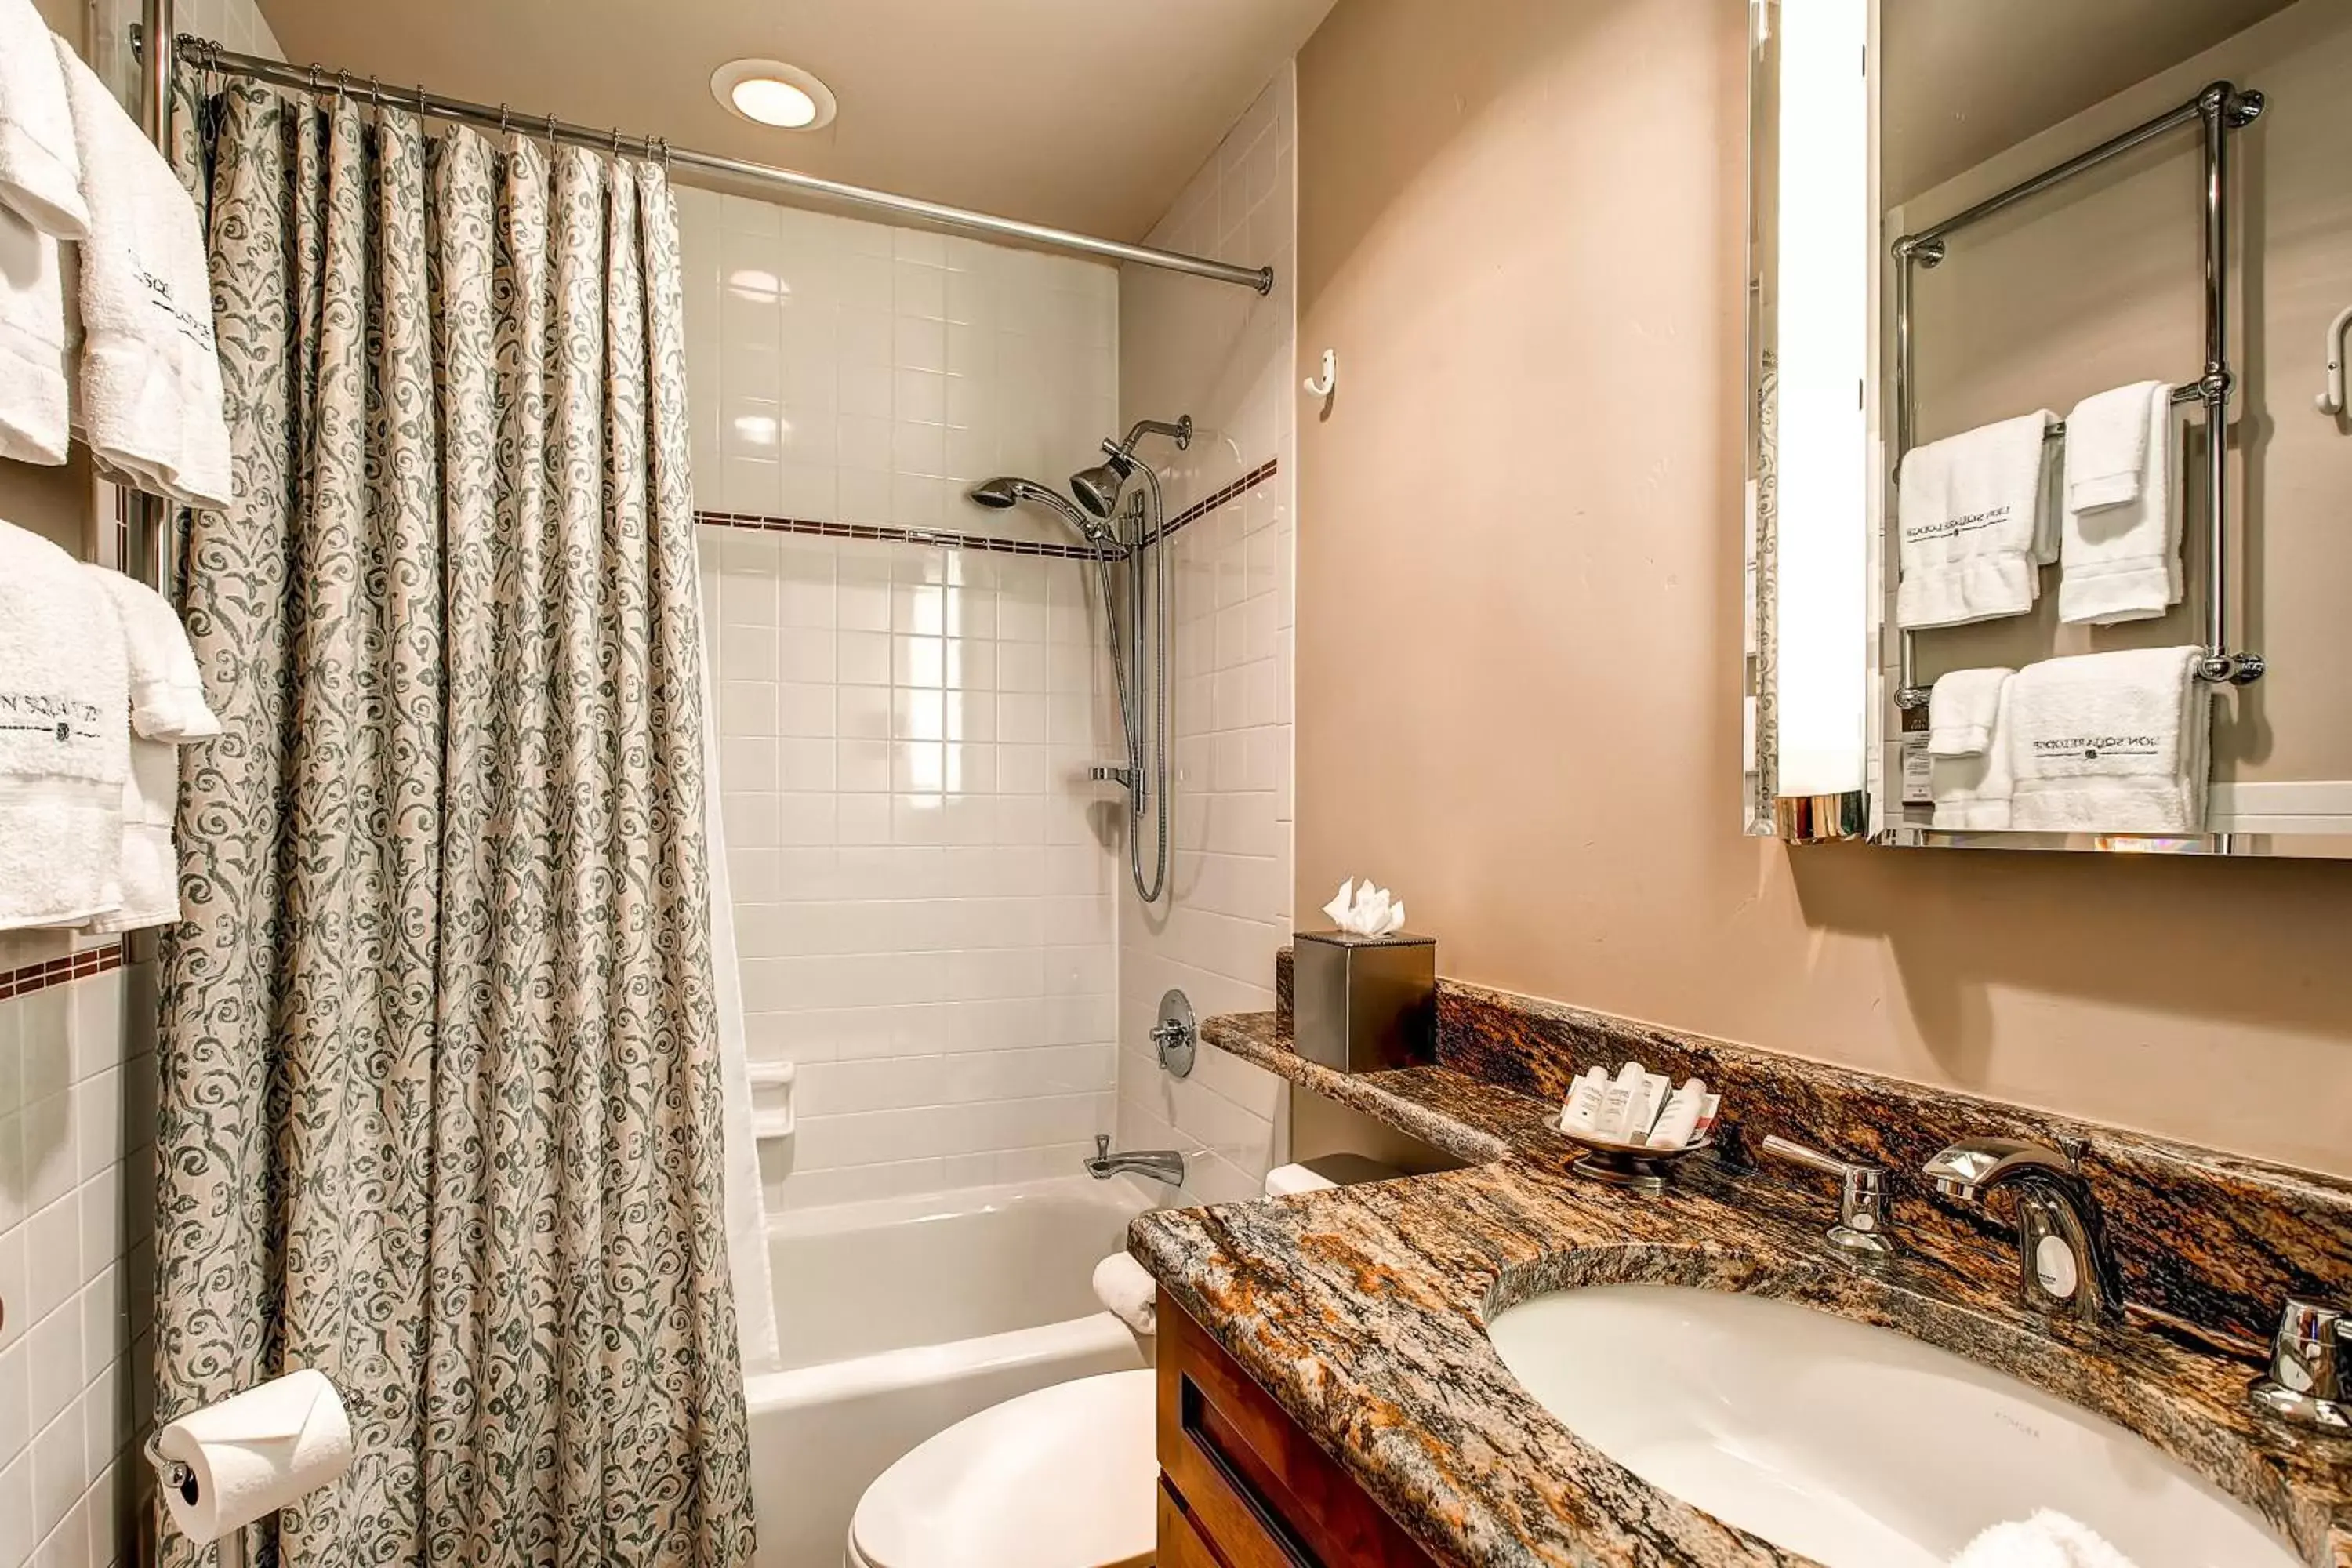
[1518, 620]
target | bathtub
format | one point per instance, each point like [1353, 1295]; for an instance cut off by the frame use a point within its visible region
[902, 1316]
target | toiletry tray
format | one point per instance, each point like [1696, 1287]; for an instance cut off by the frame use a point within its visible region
[1643, 1169]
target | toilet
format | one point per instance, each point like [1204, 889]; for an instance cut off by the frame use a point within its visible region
[1062, 1477]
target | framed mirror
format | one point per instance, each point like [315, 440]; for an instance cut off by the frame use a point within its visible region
[2065, 286]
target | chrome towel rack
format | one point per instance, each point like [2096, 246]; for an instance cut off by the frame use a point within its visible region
[2221, 109]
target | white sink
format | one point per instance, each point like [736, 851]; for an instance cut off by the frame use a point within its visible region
[1855, 1445]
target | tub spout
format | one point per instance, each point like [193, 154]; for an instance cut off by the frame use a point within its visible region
[1167, 1164]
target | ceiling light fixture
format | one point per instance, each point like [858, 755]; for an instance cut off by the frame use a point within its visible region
[770, 93]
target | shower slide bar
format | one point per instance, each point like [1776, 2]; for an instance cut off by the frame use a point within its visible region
[2220, 109]
[203, 54]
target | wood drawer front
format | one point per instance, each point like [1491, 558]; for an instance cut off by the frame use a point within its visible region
[1180, 1545]
[1248, 1478]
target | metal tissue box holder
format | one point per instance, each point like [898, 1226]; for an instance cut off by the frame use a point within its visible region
[1363, 1003]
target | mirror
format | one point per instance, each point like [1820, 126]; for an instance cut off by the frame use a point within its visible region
[2091, 238]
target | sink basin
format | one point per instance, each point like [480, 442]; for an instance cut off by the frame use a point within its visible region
[1855, 1445]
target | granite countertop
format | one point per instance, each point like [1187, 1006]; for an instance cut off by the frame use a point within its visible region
[1362, 1310]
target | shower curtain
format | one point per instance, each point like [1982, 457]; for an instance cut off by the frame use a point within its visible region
[441, 1097]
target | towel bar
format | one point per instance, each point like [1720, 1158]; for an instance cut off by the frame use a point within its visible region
[2221, 109]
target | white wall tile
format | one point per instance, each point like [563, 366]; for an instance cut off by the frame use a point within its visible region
[896, 808]
[1224, 357]
[76, 1150]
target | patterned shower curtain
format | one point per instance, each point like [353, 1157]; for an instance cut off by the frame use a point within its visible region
[440, 1086]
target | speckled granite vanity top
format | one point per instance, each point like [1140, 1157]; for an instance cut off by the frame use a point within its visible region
[1362, 1309]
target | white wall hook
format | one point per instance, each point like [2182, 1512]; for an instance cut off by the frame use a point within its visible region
[1328, 381]
[2332, 400]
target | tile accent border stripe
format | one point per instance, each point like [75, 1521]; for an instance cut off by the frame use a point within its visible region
[63, 970]
[949, 538]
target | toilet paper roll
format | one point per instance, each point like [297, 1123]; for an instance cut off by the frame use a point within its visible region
[255, 1452]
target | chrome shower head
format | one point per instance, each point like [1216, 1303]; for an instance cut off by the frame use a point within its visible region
[1098, 487]
[1007, 491]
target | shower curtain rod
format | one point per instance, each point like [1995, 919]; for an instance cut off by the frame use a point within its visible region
[207, 55]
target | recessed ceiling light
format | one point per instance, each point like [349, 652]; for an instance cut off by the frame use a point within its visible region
[770, 93]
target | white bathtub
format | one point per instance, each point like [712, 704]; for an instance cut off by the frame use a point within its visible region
[902, 1316]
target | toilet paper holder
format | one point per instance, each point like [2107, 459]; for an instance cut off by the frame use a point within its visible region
[230, 1549]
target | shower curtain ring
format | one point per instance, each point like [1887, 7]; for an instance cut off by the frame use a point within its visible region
[316, 88]
[421, 110]
[342, 86]
[375, 94]
[502, 119]
[616, 141]
[551, 131]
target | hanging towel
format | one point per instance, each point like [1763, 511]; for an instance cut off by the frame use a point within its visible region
[150, 383]
[1973, 510]
[65, 738]
[1960, 712]
[1973, 791]
[2121, 549]
[2111, 742]
[40, 169]
[33, 400]
[167, 698]
[167, 707]
[2047, 1539]
[151, 860]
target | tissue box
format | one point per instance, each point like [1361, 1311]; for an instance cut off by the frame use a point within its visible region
[1363, 1003]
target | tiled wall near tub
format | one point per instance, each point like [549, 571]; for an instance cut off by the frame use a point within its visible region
[922, 876]
[1224, 356]
[851, 372]
[76, 1176]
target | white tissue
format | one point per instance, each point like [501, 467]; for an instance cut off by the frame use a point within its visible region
[1363, 909]
[255, 1452]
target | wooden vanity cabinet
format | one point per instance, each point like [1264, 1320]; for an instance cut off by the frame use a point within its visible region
[1242, 1485]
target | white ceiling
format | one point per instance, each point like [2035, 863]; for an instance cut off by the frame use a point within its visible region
[1964, 79]
[1086, 114]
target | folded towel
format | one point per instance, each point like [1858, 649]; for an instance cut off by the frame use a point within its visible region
[40, 170]
[2106, 446]
[32, 402]
[149, 384]
[2121, 551]
[1960, 712]
[1973, 511]
[2111, 742]
[167, 698]
[2047, 1539]
[1973, 791]
[1125, 1288]
[65, 738]
[151, 859]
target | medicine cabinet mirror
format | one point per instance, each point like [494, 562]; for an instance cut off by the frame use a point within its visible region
[2013, 269]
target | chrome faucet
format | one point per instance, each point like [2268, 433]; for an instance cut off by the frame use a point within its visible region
[1165, 1163]
[2064, 1264]
[2306, 1382]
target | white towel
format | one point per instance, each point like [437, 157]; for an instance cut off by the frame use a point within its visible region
[2047, 1539]
[1974, 515]
[1973, 792]
[149, 384]
[40, 170]
[32, 401]
[2111, 742]
[65, 738]
[1960, 712]
[151, 859]
[167, 697]
[2121, 551]
[2106, 446]
[1125, 1288]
